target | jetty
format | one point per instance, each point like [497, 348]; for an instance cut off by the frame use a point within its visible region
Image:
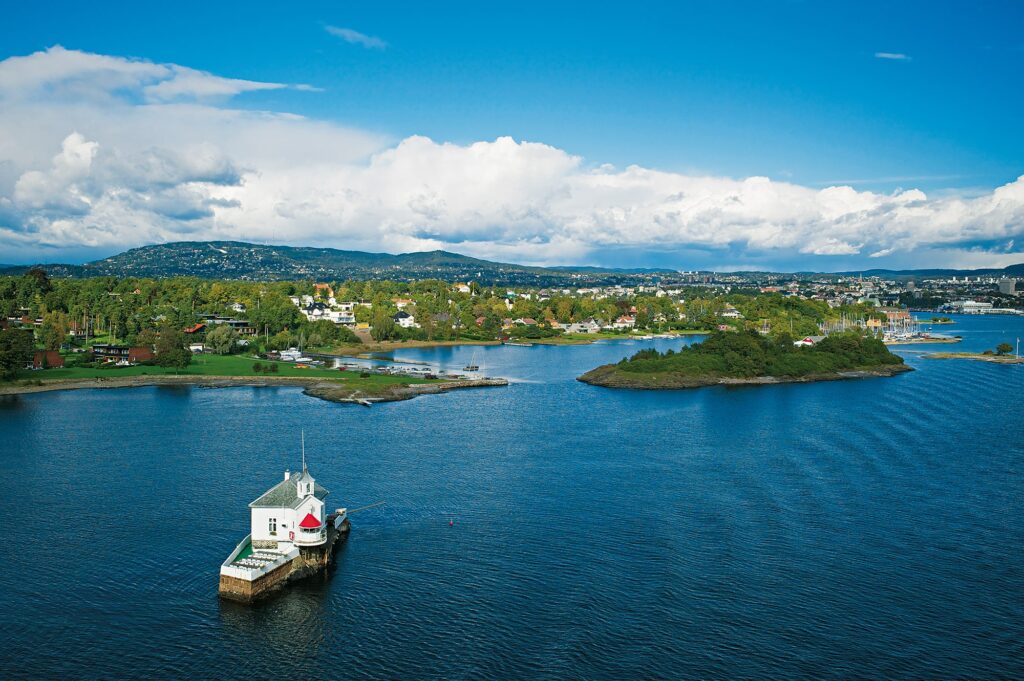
[291, 537]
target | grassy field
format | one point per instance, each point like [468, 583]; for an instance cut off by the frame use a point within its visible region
[216, 365]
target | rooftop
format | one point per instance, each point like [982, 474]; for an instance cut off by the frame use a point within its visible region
[285, 495]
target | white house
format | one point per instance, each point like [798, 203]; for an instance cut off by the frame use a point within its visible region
[589, 326]
[808, 340]
[624, 322]
[731, 312]
[341, 317]
[405, 320]
[238, 307]
[315, 311]
[290, 512]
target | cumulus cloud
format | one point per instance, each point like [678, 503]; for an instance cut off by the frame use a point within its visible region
[124, 166]
[356, 38]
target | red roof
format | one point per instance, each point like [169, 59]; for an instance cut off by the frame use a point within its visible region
[309, 521]
[195, 329]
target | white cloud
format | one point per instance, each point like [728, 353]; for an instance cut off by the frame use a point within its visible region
[122, 166]
[77, 76]
[894, 56]
[356, 38]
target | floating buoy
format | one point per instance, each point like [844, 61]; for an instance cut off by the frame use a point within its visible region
[451, 523]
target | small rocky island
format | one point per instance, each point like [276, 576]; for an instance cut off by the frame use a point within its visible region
[748, 358]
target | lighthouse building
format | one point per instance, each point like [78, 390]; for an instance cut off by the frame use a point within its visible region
[290, 512]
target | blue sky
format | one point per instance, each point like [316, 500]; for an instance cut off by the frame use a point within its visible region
[878, 96]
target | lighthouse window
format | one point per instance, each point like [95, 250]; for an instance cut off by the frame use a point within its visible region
[272, 524]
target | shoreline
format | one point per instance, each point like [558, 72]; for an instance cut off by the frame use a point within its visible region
[608, 376]
[331, 391]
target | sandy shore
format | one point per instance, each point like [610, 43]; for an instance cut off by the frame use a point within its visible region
[332, 391]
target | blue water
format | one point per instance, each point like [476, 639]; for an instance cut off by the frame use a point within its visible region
[869, 529]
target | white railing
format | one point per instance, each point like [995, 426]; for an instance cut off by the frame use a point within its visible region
[313, 538]
[238, 549]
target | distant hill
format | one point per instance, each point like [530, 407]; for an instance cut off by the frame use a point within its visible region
[239, 260]
[1010, 271]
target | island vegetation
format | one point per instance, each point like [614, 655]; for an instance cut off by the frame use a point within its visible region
[749, 357]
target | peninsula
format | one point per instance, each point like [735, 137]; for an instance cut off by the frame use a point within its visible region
[215, 371]
[748, 358]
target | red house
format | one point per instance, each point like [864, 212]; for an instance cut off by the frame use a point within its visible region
[47, 359]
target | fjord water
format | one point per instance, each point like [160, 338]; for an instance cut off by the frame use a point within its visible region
[866, 528]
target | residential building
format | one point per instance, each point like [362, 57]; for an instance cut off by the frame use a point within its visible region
[122, 353]
[405, 320]
[809, 340]
[589, 326]
[731, 312]
[47, 359]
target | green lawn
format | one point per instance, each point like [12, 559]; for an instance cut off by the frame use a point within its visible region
[217, 365]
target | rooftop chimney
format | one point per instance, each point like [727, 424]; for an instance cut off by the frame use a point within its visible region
[287, 474]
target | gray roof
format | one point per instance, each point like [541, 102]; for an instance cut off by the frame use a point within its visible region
[285, 493]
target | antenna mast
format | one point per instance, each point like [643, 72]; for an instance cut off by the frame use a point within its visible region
[303, 435]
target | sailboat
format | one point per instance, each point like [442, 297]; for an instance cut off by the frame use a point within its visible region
[472, 366]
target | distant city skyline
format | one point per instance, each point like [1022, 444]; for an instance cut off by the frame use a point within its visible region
[717, 136]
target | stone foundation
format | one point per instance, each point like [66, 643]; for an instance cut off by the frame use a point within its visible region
[310, 561]
[245, 590]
